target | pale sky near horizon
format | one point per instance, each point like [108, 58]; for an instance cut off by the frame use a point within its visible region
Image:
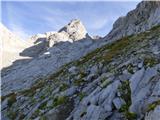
[29, 18]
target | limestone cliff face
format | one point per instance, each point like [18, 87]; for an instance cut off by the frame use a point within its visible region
[75, 29]
[145, 16]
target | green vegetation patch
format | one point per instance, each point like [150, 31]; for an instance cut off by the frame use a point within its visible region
[125, 92]
[11, 99]
[11, 114]
[150, 61]
[79, 82]
[105, 83]
[81, 95]
[115, 49]
[130, 68]
[60, 100]
[153, 105]
[43, 105]
[31, 91]
[63, 87]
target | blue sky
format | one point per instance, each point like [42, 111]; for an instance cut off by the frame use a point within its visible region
[29, 18]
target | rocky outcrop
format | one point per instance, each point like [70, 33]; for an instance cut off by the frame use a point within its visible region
[75, 30]
[144, 17]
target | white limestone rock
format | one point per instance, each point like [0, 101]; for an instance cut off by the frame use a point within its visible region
[75, 30]
[58, 37]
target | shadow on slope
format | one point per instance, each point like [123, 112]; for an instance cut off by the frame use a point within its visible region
[41, 46]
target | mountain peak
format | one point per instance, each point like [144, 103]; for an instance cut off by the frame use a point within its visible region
[75, 29]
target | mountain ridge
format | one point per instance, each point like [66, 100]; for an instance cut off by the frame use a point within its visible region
[142, 18]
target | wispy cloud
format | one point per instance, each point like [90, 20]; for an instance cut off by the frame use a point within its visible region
[12, 22]
[18, 30]
[26, 18]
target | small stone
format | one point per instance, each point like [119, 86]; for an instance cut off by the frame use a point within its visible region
[125, 76]
[4, 104]
[49, 103]
[94, 69]
[118, 102]
[91, 77]
[118, 94]
[140, 65]
[108, 107]
[73, 70]
[70, 91]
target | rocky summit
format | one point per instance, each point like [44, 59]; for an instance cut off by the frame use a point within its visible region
[72, 76]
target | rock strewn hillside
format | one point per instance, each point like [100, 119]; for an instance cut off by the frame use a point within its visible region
[116, 81]
[48, 52]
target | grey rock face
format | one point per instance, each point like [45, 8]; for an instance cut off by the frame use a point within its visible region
[98, 104]
[141, 88]
[145, 16]
[135, 79]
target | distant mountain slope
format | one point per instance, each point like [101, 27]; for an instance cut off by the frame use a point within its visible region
[49, 52]
[12, 45]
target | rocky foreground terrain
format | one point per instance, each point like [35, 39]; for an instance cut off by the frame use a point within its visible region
[72, 76]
